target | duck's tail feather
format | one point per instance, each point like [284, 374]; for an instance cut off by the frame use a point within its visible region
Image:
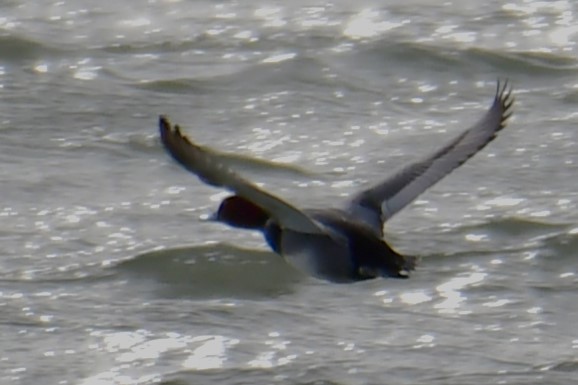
[409, 264]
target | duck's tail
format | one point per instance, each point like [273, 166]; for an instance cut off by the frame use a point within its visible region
[409, 263]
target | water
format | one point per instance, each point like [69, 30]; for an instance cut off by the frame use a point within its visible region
[110, 275]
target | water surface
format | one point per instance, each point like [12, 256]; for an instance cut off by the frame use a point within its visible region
[110, 275]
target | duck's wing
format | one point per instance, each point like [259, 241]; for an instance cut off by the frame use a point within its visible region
[206, 164]
[382, 201]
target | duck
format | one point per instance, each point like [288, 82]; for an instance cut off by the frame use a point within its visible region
[339, 245]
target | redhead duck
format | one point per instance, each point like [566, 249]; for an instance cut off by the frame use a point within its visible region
[337, 245]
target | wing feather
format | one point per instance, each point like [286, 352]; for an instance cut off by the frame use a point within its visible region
[382, 201]
[207, 165]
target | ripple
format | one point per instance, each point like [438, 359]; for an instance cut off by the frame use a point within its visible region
[451, 292]
[274, 355]
[370, 23]
[414, 298]
[142, 349]
[278, 58]
[212, 354]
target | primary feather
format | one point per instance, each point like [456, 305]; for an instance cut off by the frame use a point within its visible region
[382, 201]
[208, 167]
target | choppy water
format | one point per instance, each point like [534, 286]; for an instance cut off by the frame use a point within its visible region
[109, 275]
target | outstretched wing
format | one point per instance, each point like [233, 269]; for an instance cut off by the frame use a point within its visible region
[206, 164]
[379, 203]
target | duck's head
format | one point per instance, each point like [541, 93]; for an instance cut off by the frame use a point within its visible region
[238, 212]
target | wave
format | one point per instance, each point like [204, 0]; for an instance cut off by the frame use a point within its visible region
[562, 245]
[458, 62]
[295, 70]
[515, 226]
[522, 62]
[326, 68]
[558, 239]
[16, 49]
[311, 41]
[504, 237]
[161, 47]
[213, 271]
[570, 366]
[305, 69]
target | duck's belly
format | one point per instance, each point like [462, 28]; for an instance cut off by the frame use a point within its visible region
[318, 255]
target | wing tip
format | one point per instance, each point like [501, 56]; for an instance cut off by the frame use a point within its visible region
[165, 128]
[170, 132]
[504, 99]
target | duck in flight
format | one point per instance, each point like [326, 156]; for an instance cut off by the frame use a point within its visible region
[338, 245]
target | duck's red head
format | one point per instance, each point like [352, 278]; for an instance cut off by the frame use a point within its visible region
[239, 212]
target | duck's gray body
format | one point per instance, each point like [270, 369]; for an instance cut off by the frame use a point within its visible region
[342, 245]
[347, 251]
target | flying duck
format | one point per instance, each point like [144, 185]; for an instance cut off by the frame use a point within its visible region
[338, 245]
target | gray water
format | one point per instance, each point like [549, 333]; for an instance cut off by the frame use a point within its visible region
[109, 273]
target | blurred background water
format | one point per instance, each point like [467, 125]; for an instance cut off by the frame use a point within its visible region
[109, 275]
